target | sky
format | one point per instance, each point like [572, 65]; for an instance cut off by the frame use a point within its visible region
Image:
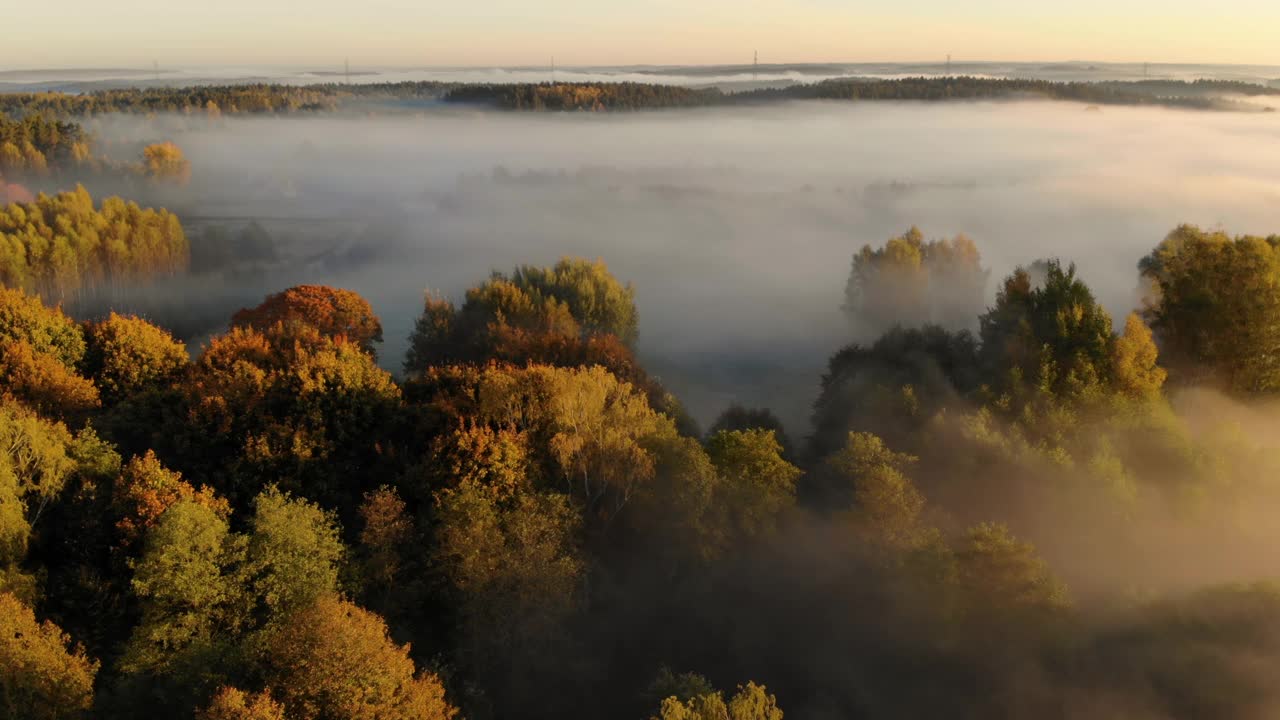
[134, 33]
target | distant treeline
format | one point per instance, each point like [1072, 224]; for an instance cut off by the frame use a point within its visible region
[289, 99]
[1202, 94]
[1197, 87]
[215, 99]
[586, 96]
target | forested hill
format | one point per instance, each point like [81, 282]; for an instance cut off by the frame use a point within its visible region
[277, 99]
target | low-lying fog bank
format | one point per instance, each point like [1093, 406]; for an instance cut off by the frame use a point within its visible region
[736, 227]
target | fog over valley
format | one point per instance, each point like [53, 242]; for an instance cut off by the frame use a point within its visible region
[735, 227]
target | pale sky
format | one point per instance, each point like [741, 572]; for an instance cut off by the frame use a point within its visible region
[132, 33]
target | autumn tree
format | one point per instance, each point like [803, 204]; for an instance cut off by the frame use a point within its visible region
[868, 483]
[35, 452]
[1135, 369]
[598, 424]
[1002, 579]
[498, 458]
[192, 604]
[593, 296]
[165, 162]
[386, 541]
[335, 661]
[1212, 303]
[24, 318]
[208, 595]
[574, 300]
[290, 406]
[689, 513]
[67, 571]
[334, 312]
[146, 489]
[234, 704]
[41, 676]
[738, 417]
[45, 384]
[750, 702]
[1053, 336]
[515, 566]
[911, 282]
[759, 486]
[294, 553]
[591, 426]
[572, 315]
[15, 538]
[127, 355]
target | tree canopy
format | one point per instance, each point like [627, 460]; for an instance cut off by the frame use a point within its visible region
[1025, 522]
[1213, 304]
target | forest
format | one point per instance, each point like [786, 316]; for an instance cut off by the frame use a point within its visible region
[1026, 509]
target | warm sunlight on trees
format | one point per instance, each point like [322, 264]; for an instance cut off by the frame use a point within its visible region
[1213, 302]
[334, 660]
[337, 313]
[41, 677]
[166, 163]
[127, 355]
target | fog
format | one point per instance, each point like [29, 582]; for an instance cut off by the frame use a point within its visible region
[736, 227]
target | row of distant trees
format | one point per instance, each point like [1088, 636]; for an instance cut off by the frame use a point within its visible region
[1202, 94]
[585, 96]
[215, 101]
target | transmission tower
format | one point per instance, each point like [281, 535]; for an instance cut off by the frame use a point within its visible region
[755, 66]
[346, 69]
